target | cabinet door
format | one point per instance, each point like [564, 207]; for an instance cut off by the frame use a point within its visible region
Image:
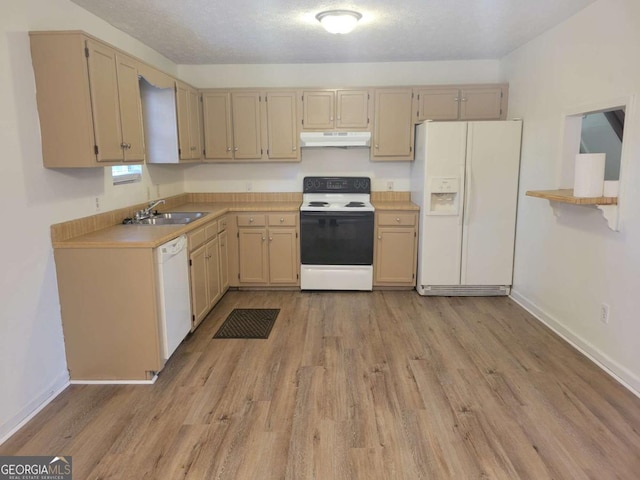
[252, 252]
[214, 291]
[318, 110]
[481, 103]
[247, 141]
[103, 83]
[130, 109]
[395, 259]
[437, 104]
[282, 125]
[218, 136]
[198, 274]
[224, 262]
[182, 107]
[189, 132]
[195, 131]
[393, 132]
[352, 109]
[283, 256]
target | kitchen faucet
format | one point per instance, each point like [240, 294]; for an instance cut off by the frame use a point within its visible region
[146, 212]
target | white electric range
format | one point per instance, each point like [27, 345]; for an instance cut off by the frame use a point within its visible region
[336, 234]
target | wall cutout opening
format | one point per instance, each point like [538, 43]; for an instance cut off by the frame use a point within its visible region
[126, 174]
[602, 132]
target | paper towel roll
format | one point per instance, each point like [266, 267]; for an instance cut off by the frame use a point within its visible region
[589, 175]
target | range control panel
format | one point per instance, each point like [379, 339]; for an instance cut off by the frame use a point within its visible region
[336, 185]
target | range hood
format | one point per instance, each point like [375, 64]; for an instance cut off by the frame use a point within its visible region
[335, 139]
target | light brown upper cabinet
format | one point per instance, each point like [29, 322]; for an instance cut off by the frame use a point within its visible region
[189, 122]
[393, 125]
[88, 101]
[335, 109]
[480, 102]
[282, 125]
[232, 125]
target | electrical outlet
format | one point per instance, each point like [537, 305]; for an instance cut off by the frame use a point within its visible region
[604, 313]
[148, 193]
[390, 185]
[97, 204]
[249, 187]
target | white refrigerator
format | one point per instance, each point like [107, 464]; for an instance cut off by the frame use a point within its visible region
[465, 180]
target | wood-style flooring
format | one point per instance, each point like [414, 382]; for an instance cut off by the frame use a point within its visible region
[382, 385]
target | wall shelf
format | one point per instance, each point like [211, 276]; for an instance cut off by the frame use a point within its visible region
[608, 205]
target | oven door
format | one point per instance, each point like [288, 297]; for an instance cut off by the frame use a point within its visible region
[338, 238]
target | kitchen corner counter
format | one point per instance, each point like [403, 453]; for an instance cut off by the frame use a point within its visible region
[147, 236]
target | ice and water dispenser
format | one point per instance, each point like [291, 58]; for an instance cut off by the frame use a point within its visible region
[443, 196]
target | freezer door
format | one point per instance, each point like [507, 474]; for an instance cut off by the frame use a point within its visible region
[492, 169]
[441, 235]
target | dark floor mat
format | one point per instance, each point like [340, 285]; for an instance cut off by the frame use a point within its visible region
[248, 323]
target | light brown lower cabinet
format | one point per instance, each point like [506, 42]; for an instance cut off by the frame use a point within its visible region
[395, 249]
[109, 313]
[208, 266]
[268, 252]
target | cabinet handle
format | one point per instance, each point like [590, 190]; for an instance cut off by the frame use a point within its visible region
[235, 149]
[263, 239]
[377, 146]
[456, 99]
[193, 148]
[228, 149]
[464, 99]
[397, 219]
[271, 239]
[331, 118]
[124, 145]
[251, 220]
[294, 149]
[379, 237]
[338, 117]
[281, 219]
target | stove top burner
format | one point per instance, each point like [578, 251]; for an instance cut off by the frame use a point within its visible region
[355, 204]
[318, 204]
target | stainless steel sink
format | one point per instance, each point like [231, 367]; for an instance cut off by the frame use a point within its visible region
[171, 218]
[180, 215]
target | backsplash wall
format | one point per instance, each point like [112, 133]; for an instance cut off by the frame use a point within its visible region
[287, 177]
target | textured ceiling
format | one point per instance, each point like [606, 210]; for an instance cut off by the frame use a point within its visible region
[285, 31]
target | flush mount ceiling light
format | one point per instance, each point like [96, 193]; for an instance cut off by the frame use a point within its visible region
[339, 21]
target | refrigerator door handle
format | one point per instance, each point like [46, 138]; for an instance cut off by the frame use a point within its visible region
[467, 195]
[462, 194]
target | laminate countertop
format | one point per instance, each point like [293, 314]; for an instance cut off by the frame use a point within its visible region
[395, 205]
[152, 236]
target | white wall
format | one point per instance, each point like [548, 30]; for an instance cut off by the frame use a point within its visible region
[341, 74]
[567, 266]
[326, 161]
[32, 361]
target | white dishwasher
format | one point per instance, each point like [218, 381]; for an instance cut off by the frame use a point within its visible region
[174, 308]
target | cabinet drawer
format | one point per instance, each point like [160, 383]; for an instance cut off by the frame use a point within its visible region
[397, 218]
[251, 220]
[196, 238]
[283, 219]
[222, 224]
[211, 230]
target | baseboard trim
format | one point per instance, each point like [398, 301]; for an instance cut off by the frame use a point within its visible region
[34, 407]
[620, 373]
[115, 382]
